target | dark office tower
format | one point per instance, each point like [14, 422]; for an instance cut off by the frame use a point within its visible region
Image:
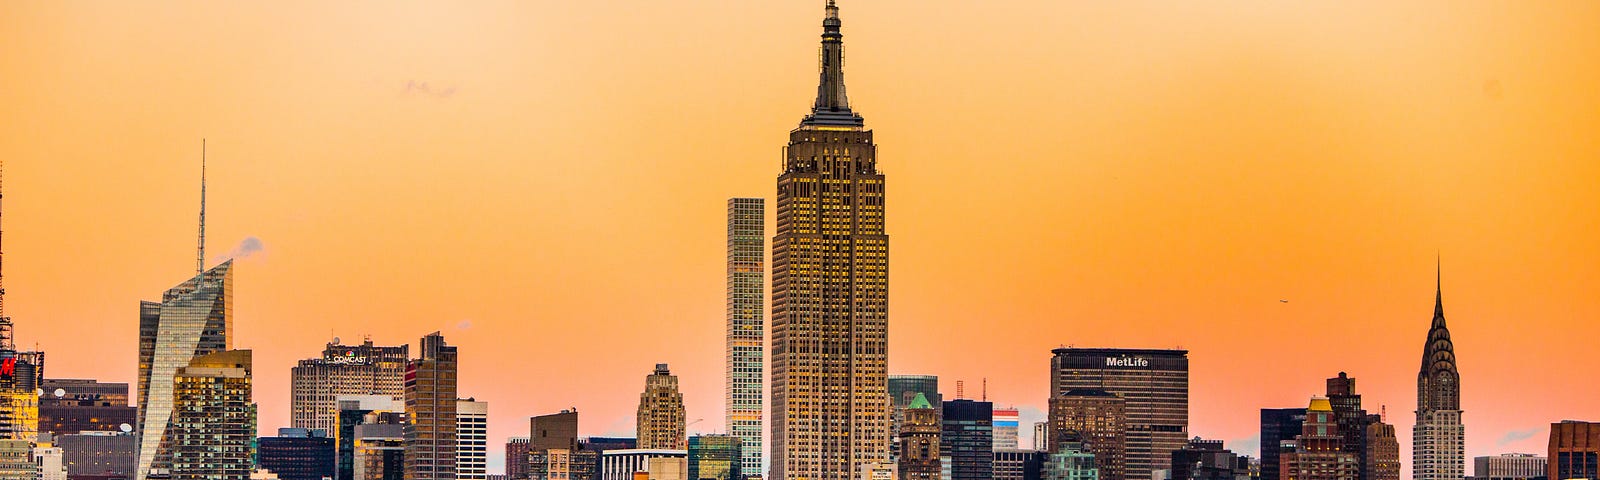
[902, 389]
[380, 452]
[556, 430]
[714, 457]
[1317, 452]
[1352, 419]
[1574, 450]
[365, 369]
[1438, 438]
[1095, 421]
[1381, 450]
[1017, 464]
[1155, 384]
[967, 437]
[517, 458]
[919, 441]
[1277, 425]
[747, 326]
[213, 419]
[73, 406]
[97, 455]
[1206, 460]
[297, 454]
[430, 430]
[830, 290]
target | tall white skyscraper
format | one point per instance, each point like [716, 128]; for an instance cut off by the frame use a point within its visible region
[472, 440]
[746, 327]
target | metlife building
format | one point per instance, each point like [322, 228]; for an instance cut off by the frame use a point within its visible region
[1155, 386]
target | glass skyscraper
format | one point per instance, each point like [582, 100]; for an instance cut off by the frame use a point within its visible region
[830, 289]
[746, 326]
[193, 319]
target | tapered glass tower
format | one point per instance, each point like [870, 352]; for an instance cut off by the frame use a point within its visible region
[830, 290]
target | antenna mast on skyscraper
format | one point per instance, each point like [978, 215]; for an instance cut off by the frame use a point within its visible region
[5, 321]
[200, 256]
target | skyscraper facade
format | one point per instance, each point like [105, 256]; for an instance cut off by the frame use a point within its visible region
[1095, 421]
[714, 457]
[1438, 445]
[1277, 425]
[1382, 450]
[830, 289]
[430, 429]
[1206, 460]
[298, 454]
[902, 389]
[472, 440]
[74, 406]
[214, 420]
[517, 458]
[1005, 427]
[747, 327]
[355, 411]
[661, 419]
[1510, 466]
[1155, 386]
[1574, 450]
[1318, 452]
[1015, 464]
[967, 437]
[192, 319]
[919, 441]
[365, 369]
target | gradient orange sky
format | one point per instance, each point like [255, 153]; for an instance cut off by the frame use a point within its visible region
[545, 183]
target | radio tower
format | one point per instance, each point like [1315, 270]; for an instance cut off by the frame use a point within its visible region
[200, 257]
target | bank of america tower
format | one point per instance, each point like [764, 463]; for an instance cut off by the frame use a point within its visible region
[830, 290]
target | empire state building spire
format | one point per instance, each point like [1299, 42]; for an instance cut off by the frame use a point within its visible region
[832, 106]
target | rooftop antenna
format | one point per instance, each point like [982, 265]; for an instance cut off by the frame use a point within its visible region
[985, 389]
[5, 321]
[961, 389]
[200, 256]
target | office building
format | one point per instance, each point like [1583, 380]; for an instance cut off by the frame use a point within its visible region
[316, 384]
[297, 454]
[1382, 461]
[73, 406]
[830, 289]
[1202, 459]
[556, 430]
[902, 389]
[1015, 464]
[48, 457]
[877, 471]
[101, 455]
[747, 327]
[213, 418]
[1155, 387]
[1438, 448]
[967, 437]
[1005, 428]
[668, 469]
[430, 396]
[1510, 466]
[1041, 436]
[192, 319]
[517, 458]
[715, 457]
[1278, 425]
[472, 440]
[920, 451]
[622, 464]
[1318, 453]
[16, 460]
[379, 451]
[1574, 450]
[1095, 421]
[661, 419]
[562, 464]
[357, 410]
[1070, 462]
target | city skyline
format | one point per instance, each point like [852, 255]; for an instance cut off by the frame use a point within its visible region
[1346, 236]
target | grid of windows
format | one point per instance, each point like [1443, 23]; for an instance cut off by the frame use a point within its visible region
[746, 326]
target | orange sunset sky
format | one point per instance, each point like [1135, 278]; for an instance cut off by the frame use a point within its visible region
[545, 183]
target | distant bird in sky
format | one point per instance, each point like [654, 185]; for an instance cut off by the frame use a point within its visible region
[1283, 300]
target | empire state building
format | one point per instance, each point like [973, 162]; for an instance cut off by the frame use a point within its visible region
[830, 290]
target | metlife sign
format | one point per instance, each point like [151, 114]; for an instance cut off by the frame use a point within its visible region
[1128, 362]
